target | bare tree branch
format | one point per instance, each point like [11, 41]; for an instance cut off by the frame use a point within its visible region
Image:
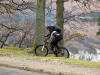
[11, 28]
[11, 5]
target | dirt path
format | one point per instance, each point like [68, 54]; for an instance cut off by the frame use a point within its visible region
[48, 66]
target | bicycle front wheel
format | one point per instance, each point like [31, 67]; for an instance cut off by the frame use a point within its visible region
[41, 50]
[64, 52]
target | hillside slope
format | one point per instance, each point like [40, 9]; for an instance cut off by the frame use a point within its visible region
[84, 22]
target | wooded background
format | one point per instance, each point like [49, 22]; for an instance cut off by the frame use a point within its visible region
[23, 22]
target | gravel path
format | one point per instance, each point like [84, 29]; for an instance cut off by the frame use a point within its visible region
[48, 66]
[12, 71]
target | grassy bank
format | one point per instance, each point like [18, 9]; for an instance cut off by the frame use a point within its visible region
[13, 51]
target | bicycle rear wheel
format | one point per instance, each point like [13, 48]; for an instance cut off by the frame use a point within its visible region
[41, 50]
[64, 52]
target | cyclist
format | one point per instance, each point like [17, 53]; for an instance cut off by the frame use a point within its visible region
[54, 35]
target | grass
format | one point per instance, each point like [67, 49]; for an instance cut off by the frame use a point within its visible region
[78, 62]
[13, 51]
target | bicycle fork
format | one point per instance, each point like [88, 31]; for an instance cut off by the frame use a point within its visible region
[42, 48]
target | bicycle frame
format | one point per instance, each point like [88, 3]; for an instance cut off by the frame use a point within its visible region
[45, 44]
[56, 47]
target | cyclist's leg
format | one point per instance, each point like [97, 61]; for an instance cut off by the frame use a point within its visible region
[54, 44]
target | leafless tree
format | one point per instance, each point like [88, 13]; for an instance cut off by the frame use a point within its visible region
[13, 29]
[9, 6]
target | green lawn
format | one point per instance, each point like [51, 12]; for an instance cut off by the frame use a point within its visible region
[13, 51]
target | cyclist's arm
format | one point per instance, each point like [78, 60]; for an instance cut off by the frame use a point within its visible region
[47, 37]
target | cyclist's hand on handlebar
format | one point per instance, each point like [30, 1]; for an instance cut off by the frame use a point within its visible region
[48, 41]
[45, 35]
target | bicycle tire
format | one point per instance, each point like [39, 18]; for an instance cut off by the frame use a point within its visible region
[45, 53]
[65, 52]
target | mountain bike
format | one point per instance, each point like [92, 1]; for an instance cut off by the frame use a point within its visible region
[43, 50]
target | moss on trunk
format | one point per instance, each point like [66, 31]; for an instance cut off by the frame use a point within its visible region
[59, 15]
[40, 22]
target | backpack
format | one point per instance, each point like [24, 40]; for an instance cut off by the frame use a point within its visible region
[58, 36]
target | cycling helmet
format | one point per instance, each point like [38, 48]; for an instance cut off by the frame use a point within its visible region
[48, 27]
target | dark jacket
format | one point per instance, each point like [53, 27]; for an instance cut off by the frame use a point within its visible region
[53, 28]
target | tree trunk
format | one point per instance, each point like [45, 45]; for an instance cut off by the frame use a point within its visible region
[40, 22]
[3, 43]
[21, 41]
[59, 15]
